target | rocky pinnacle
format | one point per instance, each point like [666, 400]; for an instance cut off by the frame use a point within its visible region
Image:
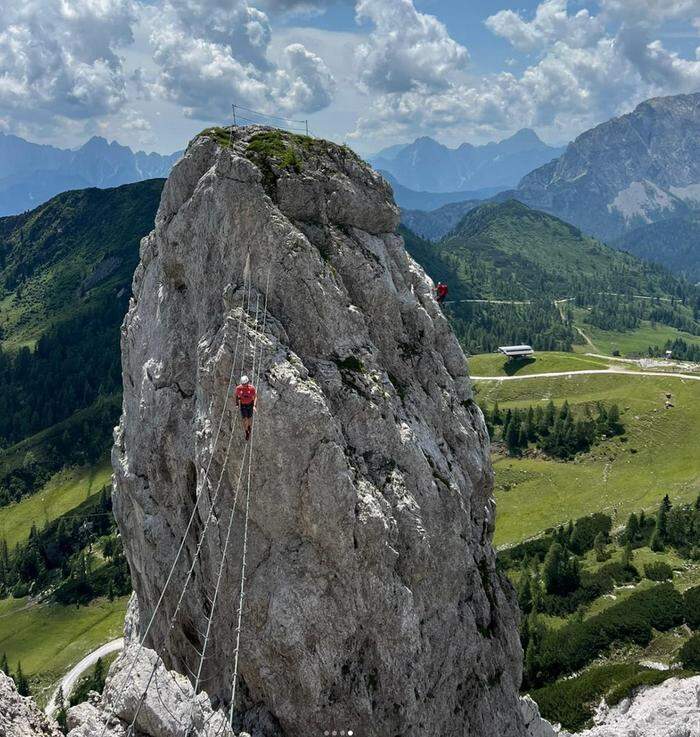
[372, 599]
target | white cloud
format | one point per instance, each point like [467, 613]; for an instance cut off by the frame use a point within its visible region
[406, 49]
[305, 82]
[213, 52]
[551, 23]
[135, 122]
[584, 74]
[59, 59]
[656, 65]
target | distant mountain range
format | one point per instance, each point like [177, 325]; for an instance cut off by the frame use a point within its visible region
[31, 174]
[429, 166]
[411, 199]
[434, 224]
[634, 170]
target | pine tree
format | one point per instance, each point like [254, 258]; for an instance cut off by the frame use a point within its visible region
[599, 547]
[661, 528]
[496, 416]
[632, 529]
[4, 665]
[21, 681]
[61, 711]
[627, 555]
[525, 594]
[512, 436]
[677, 530]
[657, 540]
[98, 676]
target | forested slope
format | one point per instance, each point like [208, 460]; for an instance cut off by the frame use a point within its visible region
[510, 252]
[65, 278]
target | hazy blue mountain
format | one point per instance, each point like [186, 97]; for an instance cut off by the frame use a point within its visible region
[434, 224]
[31, 173]
[631, 171]
[430, 166]
[410, 199]
[675, 243]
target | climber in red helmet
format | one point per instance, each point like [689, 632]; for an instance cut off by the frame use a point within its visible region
[247, 401]
[441, 291]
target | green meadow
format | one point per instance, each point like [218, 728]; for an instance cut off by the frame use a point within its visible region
[65, 491]
[495, 364]
[48, 639]
[657, 455]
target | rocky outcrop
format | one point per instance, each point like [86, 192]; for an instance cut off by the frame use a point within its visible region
[669, 710]
[168, 709]
[372, 602]
[630, 171]
[20, 716]
[535, 725]
[139, 689]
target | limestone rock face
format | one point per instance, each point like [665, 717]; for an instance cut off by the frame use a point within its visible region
[20, 716]
[671, 709]
[535, 725]
[168, 709]
[372, 600]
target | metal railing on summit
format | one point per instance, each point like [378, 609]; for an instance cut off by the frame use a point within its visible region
[248, 116]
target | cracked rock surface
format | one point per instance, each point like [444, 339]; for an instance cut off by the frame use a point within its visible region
[671, 709]
[372, 600]
[20, 716]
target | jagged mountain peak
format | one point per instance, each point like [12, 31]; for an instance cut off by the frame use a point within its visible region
[427, 165]
[630, 171]
[31, 174]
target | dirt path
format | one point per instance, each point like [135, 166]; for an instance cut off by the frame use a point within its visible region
[586, 371]
[71, 678]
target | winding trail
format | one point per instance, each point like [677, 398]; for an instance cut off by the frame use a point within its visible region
[71, 678]
[587, 371]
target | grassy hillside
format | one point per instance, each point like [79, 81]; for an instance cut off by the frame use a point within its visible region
[633, 342]
[61, 494]
[65, 280]
[507, 250]
[537, 275]
[70, 256]
[49, 639]
[657, 455]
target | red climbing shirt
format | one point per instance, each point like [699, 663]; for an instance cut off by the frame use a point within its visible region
[245, 393]
[442, 290]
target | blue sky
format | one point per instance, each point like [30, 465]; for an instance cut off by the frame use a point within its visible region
[368, 72]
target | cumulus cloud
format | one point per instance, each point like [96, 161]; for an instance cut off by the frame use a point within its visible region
[305, 81]
[211, 53]
[551, 22]
[60, 58]
[406, 49]
[584, 74]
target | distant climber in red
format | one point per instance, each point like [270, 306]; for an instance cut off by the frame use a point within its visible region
[247, 401]
[441, 291]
